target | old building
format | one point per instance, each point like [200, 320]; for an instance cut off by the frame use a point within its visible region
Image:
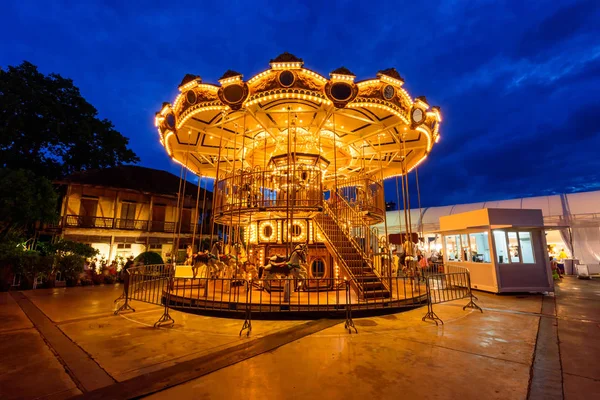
[127, 210]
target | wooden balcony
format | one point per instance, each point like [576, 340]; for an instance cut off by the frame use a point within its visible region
[78, 221]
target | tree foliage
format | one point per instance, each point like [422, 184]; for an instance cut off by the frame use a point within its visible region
[149, 258]
[63, 247]
[24, 200]
[47, 126]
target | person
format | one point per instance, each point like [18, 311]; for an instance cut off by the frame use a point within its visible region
[189, 254]
[562, 256]
[556, 274]
[128, 264]
[422, 260]
[112, 270]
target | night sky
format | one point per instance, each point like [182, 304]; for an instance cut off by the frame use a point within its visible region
[518, 82]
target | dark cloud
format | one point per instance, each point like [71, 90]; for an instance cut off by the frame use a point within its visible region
[580, 17]
[517, 81]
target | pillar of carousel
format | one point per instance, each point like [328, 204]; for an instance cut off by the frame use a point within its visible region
[298, 158]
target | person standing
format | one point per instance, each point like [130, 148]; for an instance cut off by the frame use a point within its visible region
[562, 256]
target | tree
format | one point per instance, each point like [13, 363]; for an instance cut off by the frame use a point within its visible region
[25, 199]
[47, 126]
[149, 258]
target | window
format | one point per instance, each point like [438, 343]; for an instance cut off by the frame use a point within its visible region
[480, 247]
[296, 230]
[123, 246]
[526, 245]
[128, 211]
[453, 248]
[127, 216]
[268, 231]
[514, 247]
[501, 248]
[317, 268]
[87, 212]
[464, 249]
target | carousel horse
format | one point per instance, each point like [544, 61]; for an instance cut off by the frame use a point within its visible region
[294, 266]
[237, 258]
[212, 262]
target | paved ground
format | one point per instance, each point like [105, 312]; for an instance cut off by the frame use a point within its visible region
[57, 343]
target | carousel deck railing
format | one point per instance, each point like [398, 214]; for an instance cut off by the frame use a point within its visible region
[257, 189]
[364, 194]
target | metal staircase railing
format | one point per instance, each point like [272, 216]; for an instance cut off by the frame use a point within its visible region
[336, 225]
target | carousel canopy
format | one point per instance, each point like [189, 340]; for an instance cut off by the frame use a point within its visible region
[340, 126]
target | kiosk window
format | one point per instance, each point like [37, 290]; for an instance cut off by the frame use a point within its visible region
[526, 245]
[453, 248]
[465, 250]
[501, 248]
[514, 247]
[480, 247]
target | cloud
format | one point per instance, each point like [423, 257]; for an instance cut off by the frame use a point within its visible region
[565, 23]
[517, 81]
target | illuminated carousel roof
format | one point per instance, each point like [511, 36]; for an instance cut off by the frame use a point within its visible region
[370, 127]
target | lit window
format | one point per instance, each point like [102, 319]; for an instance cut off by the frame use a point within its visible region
[296, 230]
[465, 250]
[526, 245]
[513, 247]
[453, 248]
[480, 247]
[501, 248]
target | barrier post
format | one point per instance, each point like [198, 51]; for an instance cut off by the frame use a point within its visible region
[166, 318]
[125, 295]
[431, 315]
[349, 322]
[471, 303]
[248, 318]
[286, 290]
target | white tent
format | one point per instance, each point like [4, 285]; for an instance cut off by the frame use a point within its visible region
[578, 211]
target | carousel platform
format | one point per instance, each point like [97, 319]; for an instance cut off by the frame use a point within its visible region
[286, 298]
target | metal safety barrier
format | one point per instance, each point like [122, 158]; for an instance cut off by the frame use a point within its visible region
[455, 284]
[275, 297]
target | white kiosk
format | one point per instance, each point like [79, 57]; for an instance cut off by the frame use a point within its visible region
[504, 249]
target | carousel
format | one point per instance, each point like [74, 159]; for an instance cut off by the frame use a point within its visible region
[298, 161]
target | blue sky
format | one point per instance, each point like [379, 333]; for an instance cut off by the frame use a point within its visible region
[518, 82]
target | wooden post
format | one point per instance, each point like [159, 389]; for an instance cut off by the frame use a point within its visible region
[150, 212]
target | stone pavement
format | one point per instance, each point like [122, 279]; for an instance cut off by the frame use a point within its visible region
[56, 343]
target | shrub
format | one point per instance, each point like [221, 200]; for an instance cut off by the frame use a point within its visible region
[98, 279]
[149, 258]
[70, 267]
[87, 281]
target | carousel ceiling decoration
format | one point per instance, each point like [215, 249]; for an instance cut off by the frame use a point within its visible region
[343, 127]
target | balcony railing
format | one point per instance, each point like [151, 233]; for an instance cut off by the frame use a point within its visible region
[78, 221]
[81, 221]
